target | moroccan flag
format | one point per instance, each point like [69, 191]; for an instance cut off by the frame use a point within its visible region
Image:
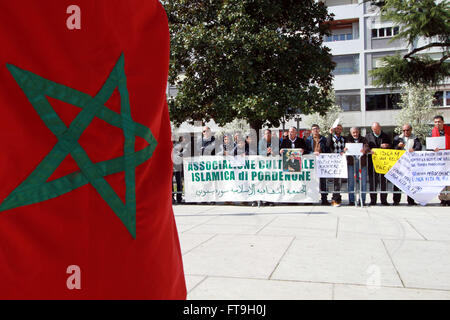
[85, 167]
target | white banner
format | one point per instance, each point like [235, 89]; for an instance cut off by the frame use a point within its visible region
[250, 178]
[400, 175]
[331, 165]
[429, 168]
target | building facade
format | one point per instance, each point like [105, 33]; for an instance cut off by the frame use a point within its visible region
[358, 42]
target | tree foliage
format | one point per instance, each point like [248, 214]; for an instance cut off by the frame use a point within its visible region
[416, 104]
[248, 59]
[425, 19]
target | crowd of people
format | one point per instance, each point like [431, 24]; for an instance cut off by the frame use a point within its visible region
[312, 142]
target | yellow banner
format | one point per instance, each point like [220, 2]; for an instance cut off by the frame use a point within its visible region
[384, 159]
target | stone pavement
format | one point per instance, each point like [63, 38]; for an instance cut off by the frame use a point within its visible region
[315, 252]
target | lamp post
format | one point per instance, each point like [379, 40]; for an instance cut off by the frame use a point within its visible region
[298, 118]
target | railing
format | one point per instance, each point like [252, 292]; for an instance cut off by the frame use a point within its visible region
[366, 182]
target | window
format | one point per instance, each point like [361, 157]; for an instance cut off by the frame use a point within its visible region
[382, 101]
[388, 32]
[377, 62]
[385, 32]
[348, 64]
[349, 102]
[439, 99]
[339, 37]
[447, 98]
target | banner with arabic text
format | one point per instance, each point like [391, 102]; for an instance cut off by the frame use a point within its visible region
[249, 178]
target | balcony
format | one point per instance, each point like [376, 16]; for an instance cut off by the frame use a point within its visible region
[345, 47]
[347, 82]
[348, 11]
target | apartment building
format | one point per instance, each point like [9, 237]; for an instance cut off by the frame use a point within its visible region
[358, 42]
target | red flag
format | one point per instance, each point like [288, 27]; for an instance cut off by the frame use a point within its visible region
[86, 170]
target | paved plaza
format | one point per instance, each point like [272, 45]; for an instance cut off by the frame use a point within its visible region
[315, 252]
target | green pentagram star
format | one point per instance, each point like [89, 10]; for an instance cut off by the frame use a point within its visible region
[36, 189]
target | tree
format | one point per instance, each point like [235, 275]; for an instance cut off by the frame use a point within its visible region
[247, 59]
[416, 109]
[426, 19]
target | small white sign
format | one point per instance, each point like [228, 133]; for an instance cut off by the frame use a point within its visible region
[435, 142]
[331, 165]
[354, 149]
[335, 123]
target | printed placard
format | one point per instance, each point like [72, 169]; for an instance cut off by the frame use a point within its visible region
[331, 165]
[292, 160]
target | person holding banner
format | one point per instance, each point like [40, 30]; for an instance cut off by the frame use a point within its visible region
[317, 144]
[439, 130]
[353, 165]
[409, 142]
[377, 139]
[336, 144]
[293, 141]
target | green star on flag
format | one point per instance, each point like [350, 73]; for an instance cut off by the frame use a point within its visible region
[36, 189]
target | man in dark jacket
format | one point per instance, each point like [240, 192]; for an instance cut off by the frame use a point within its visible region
[293, 141]
[377, 139]
[336, 144]
[409, 142]
[317, 144]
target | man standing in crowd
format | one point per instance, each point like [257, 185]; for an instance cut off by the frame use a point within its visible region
[318, 144]
[409, 142]
[439, 130]
[377, 139]
[336, 144]
[207, 143]
[293, 141]
[179, 151]
[265, 144]
[228, 146]
[353, 165]
[306, 134]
